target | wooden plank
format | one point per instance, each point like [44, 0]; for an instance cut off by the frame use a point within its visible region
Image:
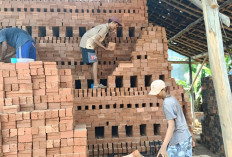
[225, 19]
[219, 73]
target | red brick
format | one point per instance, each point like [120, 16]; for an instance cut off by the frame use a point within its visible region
[64, 142]
[52, 79]
[12, 117]
[26, 115]
[5, 133]
[80, 141]
[68, 112]
[70, 142]
[11, 109]
[66, 150]
[34, 115]
[56, 143]
[40, 71]
[15, 87]
[19, 116]
[37, 64]
[34, 131]
[8, 101]
[41, 106]
[41, 114]
[54, 113]
[79, 149]
[13, 147]
[39, 152]
[5, 148]
[13, 132]
[37, 99]
[62, 113]
[50, 144]
[38, 123]
[24, 123]
[4, 117]
[33, 71]
[80, 131]
[6, 73]
[27, 131]
[22, 65]
[48, 114]
[25, 138]
[21, 146]
[66, 134]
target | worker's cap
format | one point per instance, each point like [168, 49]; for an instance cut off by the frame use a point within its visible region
[115, 19]
[156, 87]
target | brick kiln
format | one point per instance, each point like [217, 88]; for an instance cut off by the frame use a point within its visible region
[48, 107]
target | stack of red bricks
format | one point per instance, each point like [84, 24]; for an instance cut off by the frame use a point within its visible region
[37, 111]
[124, 117]
[119, 119]
[37, 85]
[211, 127]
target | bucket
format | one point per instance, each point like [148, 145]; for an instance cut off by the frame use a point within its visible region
[13, 60]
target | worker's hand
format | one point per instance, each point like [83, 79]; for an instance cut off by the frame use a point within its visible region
[108, 49]
[162, 152]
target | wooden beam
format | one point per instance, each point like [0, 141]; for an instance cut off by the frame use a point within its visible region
[219, 73]
[225, 19]
[181, 62]
[199, 56]
[198, 73]
[189, 27]
[186, 29]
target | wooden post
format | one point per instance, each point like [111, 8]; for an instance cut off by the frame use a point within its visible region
[219, 74]
[191, 91]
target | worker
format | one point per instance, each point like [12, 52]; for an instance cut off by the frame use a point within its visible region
[178, 139]
[92, 39]
[20, 40]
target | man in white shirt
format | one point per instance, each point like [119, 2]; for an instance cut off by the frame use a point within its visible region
[93, 38]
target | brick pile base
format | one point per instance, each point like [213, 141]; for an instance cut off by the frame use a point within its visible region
[211, 129]
[36, 105]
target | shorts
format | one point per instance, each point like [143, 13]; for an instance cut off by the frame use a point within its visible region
[27, 50]
[89, 56]
[183, 149]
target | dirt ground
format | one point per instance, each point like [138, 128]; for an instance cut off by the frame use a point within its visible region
[200, 150]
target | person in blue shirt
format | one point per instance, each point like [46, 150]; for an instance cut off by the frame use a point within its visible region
[20, 40]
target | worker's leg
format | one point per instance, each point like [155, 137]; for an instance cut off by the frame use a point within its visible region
[94, 73]
[27, 51]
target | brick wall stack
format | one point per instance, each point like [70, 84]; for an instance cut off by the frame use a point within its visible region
[58, 26]
[123, 117]
[211, 129]
[37, 111]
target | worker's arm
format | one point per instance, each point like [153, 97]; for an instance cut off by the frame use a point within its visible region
[4, 50]
[98, 37]
[12, 53]
[168, 136]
